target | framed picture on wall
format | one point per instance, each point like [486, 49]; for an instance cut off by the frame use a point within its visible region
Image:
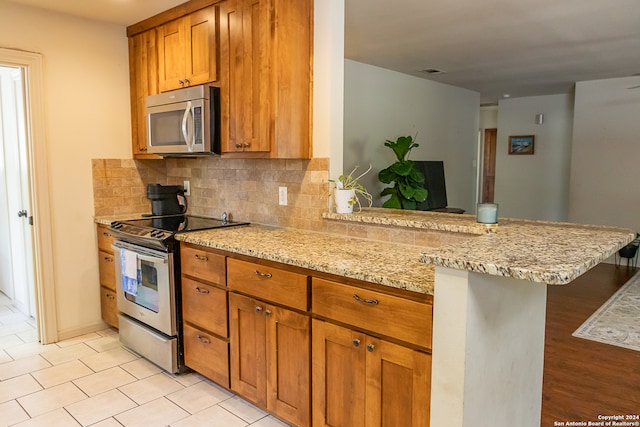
[522, 144]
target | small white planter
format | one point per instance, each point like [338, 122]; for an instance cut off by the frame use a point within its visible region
[342, 198]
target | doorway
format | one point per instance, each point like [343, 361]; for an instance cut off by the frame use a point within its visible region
[17, 277]
[23, 142]
[489, 165]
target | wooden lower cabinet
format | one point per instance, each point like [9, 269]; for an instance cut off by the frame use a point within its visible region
[109, 306]
[270, 357]
[107, 274]
[359, 380]
[207, 354]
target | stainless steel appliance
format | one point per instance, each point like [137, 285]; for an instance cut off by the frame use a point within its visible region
[150, 305]
[184, 121]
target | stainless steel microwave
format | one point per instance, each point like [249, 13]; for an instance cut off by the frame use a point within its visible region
[184, 121]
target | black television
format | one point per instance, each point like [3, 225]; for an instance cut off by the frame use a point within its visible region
[435, 184]
[433, 171]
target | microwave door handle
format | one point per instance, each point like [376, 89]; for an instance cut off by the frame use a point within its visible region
[185, 133]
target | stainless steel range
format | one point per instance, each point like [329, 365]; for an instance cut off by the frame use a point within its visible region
[148, 284]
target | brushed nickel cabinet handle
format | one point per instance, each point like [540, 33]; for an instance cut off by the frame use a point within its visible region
[246, 144]
[108, 259]
[238, 145]
[201, 258]
[267, 313]
[201, 291]
[258, 309]
[356, 342]
[366, 301]
[257, 273]
[187, 82]
[204, 340]
[370, 348]
[104, 233]
[109, 296]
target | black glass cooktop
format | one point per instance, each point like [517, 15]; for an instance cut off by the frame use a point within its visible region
[182, 223]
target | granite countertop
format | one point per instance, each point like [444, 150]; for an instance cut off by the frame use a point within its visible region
[384, 263]
[554, 253]
[537, 251]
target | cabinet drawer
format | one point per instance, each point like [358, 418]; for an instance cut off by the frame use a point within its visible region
[206, 354]
[109, 306]
[268, 283]
[107, 268]
[204, 306]
[389, 315]
[198, 262]
[105, 239]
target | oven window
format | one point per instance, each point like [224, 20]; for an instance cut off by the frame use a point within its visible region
[148, 296]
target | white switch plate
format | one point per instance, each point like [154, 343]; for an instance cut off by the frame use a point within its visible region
[187, 188]
[282, 196]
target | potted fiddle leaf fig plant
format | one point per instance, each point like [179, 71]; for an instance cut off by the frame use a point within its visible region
[408, 182]
[348, 190]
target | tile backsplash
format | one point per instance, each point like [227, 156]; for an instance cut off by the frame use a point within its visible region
[245, 188]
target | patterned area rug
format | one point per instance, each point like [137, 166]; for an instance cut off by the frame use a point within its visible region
[617, 322]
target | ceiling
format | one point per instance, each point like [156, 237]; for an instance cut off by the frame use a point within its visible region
[495, 47]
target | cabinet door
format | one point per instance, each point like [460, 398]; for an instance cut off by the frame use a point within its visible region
[247, 337]
[398, 385]
[244, 75]
[338, 376]
[109, 306]
[107, 270]
[206, 354]
[288, 370]
[171, 55]
[143, 69]
[201, 46]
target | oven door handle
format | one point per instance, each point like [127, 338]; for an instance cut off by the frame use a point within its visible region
[151, 259]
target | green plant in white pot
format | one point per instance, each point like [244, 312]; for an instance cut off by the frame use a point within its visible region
[348, 191]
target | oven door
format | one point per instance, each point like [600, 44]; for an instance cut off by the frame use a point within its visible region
[153, 300]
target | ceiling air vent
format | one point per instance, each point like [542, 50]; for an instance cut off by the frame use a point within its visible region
[433, 71]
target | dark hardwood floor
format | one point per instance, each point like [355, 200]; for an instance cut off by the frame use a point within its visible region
[583, 378]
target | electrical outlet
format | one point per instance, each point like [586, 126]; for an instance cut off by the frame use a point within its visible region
[187, 188]
[282, 196]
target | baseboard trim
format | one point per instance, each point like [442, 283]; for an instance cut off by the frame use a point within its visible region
[66, 334]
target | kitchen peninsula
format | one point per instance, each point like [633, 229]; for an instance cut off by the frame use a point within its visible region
[486, 287]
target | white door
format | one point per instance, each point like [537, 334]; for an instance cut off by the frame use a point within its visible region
[17, 257]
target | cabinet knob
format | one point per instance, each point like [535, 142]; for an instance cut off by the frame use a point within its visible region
[356, 342]
[258, 309]
[204, 340]
[108, 259]
[267, 313]
[143, 148]
[267, 275]
[187, 82]
[104, 233]
[109, 296]
[201, 291]
[246, 144]
[370, 347]
[365, 301]
[201, 258]
[238, 145]
[181, 82]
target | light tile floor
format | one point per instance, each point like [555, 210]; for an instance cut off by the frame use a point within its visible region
[93, 381]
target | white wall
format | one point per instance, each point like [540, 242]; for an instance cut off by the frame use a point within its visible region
[535, 186]
[86, 88]
[605, 165]
[328, 80]
[381, 105]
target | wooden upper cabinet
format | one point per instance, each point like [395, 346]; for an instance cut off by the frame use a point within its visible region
[187, 50]
[265, 75]
[143, 76]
